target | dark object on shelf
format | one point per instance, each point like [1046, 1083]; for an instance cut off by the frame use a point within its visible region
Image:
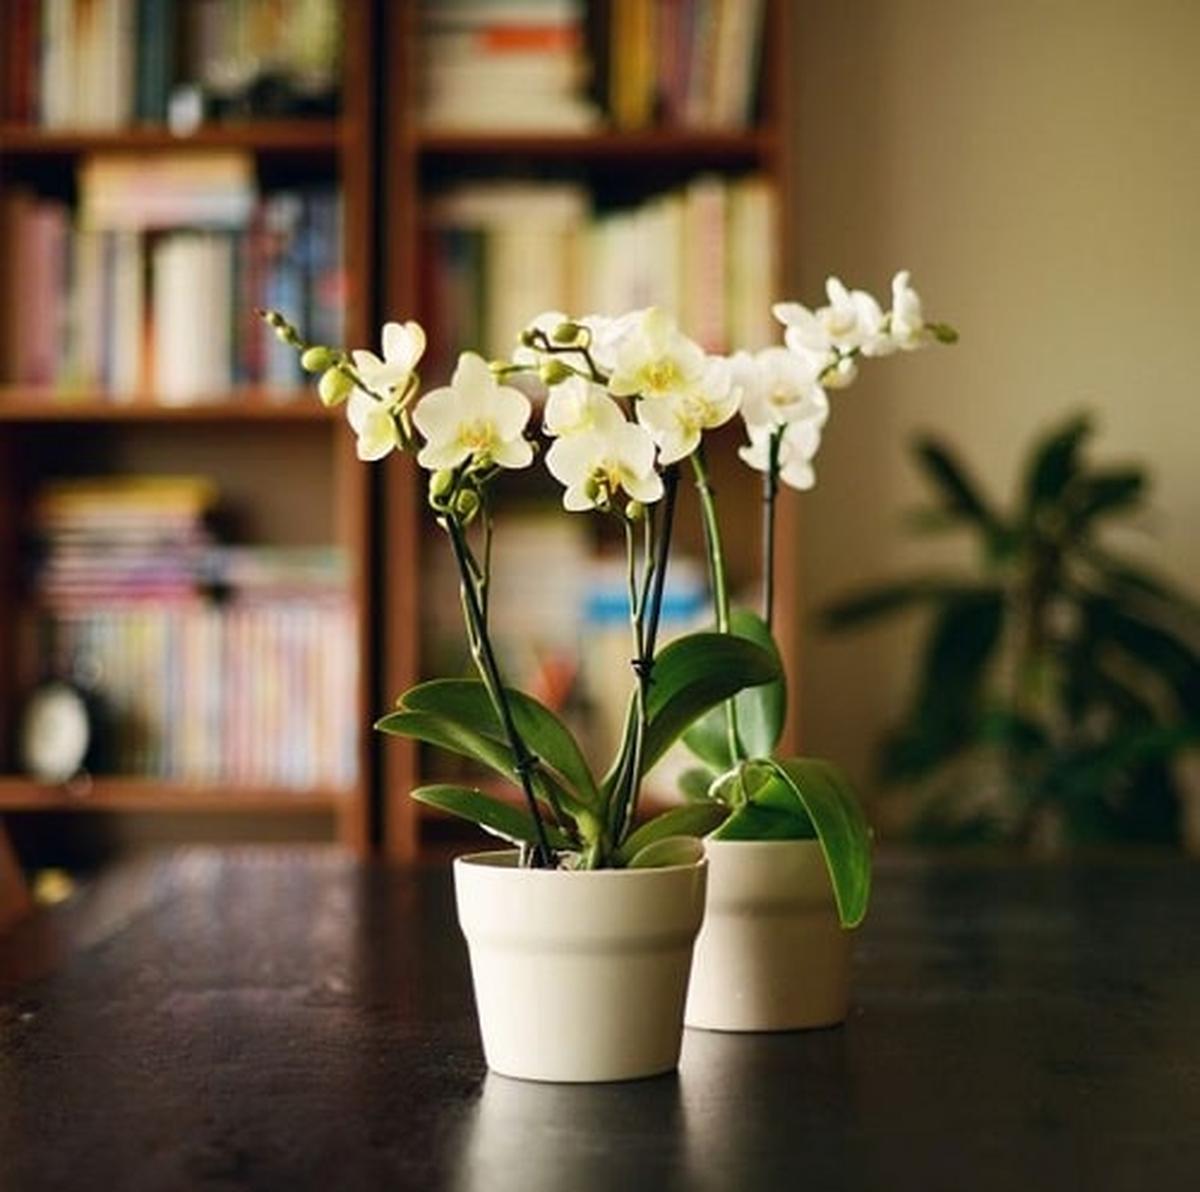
[1061, 681]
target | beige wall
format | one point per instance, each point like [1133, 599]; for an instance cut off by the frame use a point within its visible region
[1037, 164]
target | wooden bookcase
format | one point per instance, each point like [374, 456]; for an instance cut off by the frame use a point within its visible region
[285, 451]
[417, 163]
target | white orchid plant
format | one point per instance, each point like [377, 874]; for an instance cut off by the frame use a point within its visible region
[627, 402]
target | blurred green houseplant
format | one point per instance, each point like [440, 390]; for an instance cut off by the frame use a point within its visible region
[1058, 682]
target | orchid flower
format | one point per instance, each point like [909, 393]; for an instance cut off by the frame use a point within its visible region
[677, 421]
[653, 359]
[907, 323]
[403, 347]
[796, 450]
[375, 425]
[596, 464]
[778, 386]
[576, 406]
[474, 418]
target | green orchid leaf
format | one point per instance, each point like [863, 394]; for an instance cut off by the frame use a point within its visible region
[762, 709]
[466, 702]
[708, 738]
[693, 784]
[492, 815]
[829, 801]
[751, 822]
[449, 735]
[456, 738]
[670, 850]
[692, 819]
[693, 674]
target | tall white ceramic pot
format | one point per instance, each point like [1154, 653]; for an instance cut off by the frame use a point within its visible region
[772, 955]
[579, 976]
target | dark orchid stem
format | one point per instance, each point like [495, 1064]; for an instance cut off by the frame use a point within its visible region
[643, 665]
[770, 492]
[523, 761]
[662, 555]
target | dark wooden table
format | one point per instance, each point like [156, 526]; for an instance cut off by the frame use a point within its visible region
[294, 1020]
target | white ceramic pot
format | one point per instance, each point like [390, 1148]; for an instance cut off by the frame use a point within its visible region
[579, 976]
[771, 955]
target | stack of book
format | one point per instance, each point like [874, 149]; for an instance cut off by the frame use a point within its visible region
[692, 63]
[143, 538]
[161, 249]
[253, 689]
[498, 254]
[506, 65]
[108, 63]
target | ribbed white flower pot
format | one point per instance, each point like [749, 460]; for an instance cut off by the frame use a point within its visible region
[579, 976]
[771, 955]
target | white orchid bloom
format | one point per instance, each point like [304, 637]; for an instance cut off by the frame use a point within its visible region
[907, 324]
[607, 335]
[778, 386]
[474, 418]
[654, 359]
[676, 422]
[596, 465]
[576, 406]
[852, 320]
[403, 347]
[375, 425]
[796, 451]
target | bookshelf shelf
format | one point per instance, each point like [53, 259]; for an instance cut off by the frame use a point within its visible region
[754, 147]
[32, 405]
[157, 795]
[267, 136]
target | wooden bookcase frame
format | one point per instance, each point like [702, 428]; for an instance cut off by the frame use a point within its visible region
[349, 144]
[409, 155]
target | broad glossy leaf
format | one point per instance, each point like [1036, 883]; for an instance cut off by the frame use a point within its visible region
[456, 738]
[671, 850]
[765, 823]
[694, 783]
[827, 797]
[449, 735]
[466, 702]
[761, 710]
[693, 674]
[492, 815]
[692, 819]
